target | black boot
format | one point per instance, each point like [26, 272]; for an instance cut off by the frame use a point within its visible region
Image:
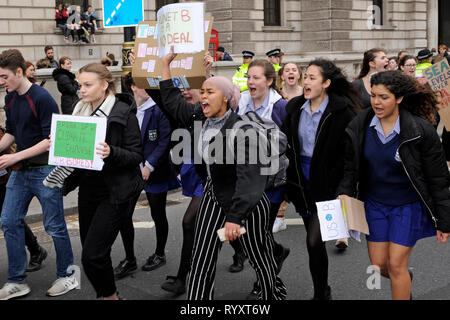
[253, 295]
[238, 262]
[174, 285]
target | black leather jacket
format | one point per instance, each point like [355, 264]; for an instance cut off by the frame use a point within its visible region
[422, 157]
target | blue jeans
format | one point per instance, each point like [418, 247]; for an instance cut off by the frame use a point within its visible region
[22, 186]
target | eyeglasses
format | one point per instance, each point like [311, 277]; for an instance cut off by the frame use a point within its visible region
[410, 65]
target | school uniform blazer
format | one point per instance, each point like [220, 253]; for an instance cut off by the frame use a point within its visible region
[155, 136]
[421, 154]
[327, 162]
[237, 187]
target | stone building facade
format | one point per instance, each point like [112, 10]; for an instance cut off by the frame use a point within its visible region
[305, 27]
[338, 29]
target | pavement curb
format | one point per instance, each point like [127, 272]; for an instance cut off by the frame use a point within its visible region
[68, 211]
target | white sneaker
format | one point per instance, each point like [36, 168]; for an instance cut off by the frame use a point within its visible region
[14, 290]
[62, 286]
[279, 225]
[342, 243]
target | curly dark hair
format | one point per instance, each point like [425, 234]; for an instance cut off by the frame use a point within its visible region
[417, 98]
[339, 83]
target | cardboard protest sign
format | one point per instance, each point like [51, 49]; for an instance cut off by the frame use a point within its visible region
[331, 218]
[342, 218]
[438, 77]
[181, 25]
[188, 71]
[74, 140]
[355, 217]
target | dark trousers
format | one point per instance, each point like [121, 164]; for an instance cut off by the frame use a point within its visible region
[30, 239]
[100, 222]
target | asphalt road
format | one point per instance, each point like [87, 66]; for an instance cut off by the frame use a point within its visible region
[348, 275]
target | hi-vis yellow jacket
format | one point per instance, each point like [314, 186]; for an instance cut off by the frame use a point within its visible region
[240, 77]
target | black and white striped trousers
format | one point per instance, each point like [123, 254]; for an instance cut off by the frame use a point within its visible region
[256, 242]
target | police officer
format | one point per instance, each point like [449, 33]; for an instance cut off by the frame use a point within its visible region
[275, 58]
[240, 77]
[424, 58]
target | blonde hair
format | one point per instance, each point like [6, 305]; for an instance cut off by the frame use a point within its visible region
[103, 74]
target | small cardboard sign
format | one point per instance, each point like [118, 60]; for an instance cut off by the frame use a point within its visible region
[181, 25]
[188, 71]
[438, 77]
[342, 218]
[74, 140]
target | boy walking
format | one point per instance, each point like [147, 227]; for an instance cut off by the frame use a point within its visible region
[29, 110]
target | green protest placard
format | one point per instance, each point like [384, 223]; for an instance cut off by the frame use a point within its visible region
[75, 140]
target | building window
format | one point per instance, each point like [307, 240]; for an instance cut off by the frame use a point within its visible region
[272, 13]
[378, 12]
[162, 3]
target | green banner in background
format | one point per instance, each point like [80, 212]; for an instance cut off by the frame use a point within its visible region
[75, 140]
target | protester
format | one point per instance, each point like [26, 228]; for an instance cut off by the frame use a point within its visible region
[157, 171]
[393, 63]
[291, 80]
[274, 58]
[443, 51]
[61, 17]
[29, 110]
[315, 127]
[263, 98]
[37, 253]
[223, 56]
[111, 57]
[29, 72]
[408, 64]
[375, 60]
[105, 196]
[386, 145]
[240, 77]
[401, 54]
[234, 193]
[67, 85]
[193, 177]
[106, 62]
[50, 56]
[43, 64]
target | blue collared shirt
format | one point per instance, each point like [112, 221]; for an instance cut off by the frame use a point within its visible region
[307, 126]
[391, 134]
[259, 111]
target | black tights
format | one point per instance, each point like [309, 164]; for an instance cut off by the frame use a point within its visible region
[188, 237]
[318, 258]
[127, 232]
[157, 202]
